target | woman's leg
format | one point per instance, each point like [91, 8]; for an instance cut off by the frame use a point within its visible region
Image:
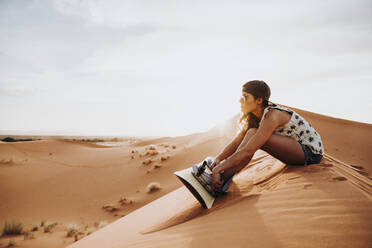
[285, 149]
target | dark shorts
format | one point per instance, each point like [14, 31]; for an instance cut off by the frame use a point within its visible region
[310, 157]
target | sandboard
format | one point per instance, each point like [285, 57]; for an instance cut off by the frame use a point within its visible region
[193, 185]
[202, 191]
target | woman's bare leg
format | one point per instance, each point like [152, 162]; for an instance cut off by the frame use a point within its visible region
[285, 149]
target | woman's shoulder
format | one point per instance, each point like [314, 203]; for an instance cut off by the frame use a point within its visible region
[279, 107]
[277, 114]
[277, 110]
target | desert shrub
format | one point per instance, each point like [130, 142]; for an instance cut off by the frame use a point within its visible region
[152, 187]
[157, 166]
[11, 243]
[101, 224]
[12, 228]
[147, 161]
[8, 161]
[72, 230]
[91, 230]
[9, 139]
[163, 158]
[110, 208]
[28, 235]
[151, 153]
[48, 228]
[151, 147]
[125, 201]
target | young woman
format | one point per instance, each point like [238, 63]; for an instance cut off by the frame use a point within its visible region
[279, 131]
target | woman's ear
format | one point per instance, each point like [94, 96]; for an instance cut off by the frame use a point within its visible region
[259, 100]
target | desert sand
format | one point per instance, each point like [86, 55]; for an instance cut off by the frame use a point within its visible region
[102, 189]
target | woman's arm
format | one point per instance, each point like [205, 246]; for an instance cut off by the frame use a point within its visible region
[272, 120]
[230, 148]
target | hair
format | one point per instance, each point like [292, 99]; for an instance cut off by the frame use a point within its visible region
[259, 89]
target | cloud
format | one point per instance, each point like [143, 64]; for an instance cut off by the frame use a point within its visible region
[174, 55]
[18, 92]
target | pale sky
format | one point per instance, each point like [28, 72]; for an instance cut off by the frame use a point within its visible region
[138, 68]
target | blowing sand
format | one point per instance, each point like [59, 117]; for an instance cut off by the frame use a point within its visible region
[98, 195]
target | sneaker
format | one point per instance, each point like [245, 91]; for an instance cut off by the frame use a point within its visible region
[204, 177]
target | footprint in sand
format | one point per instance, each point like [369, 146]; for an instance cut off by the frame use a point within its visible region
[357, 167]
[340, 178]
[326, 165]
[307, 185]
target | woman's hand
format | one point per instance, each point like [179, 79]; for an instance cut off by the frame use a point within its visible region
[216, 181]
[214, 164]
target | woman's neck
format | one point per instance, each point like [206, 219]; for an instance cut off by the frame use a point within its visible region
[258, 112]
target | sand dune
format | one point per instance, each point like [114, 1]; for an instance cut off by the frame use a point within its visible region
[269, 204]
[287, 210]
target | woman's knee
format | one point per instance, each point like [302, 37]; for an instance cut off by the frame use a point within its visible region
[269, 143]
[286, 149]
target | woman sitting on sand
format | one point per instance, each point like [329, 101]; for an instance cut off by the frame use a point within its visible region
[279, 131]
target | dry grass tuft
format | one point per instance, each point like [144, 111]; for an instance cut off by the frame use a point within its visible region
[11, 243]
[91, 230]
[73, 230]
[147, 161]
[152, 187]
[7, 161]
[110, 208]
[163, 158]
[99, 225]
[151, 147]
[48, 227]
[151, 153]
[125, 201]
[28, 235]
[157, 166]
[12, 228]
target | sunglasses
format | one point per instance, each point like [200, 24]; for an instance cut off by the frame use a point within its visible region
[244, 97]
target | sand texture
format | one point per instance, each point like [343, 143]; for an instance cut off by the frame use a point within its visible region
[125, 194]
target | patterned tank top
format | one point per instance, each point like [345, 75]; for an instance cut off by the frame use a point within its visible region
[299, 129]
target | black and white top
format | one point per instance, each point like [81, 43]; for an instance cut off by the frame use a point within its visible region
[299, 129]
